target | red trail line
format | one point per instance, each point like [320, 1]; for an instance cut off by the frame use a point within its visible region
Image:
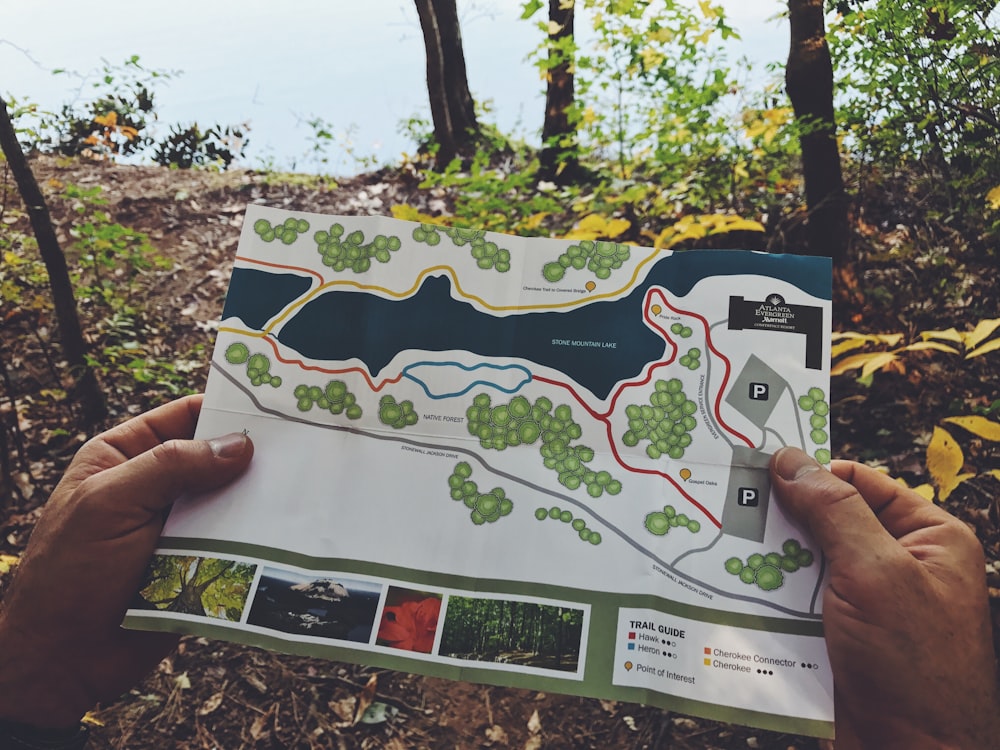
[302, 365]
[720, 355]
[282, 266]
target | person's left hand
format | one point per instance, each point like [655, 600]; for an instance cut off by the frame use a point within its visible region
[62, 648]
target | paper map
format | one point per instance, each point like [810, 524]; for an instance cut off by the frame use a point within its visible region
[519, 461]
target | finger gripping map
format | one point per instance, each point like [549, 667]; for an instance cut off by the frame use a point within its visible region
[519, 461]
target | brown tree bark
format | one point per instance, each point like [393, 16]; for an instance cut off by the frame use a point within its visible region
[456, 129]
[809, 82]
[558, 159]
[86, 387]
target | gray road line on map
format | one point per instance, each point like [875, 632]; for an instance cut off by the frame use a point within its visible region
[708, 390]
[700, 549]
[795, 411]
[517, 480]
[776, 434]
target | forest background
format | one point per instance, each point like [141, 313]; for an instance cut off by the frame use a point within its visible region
[876, 144]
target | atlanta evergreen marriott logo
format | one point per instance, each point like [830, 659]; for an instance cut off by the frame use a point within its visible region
[774, 314]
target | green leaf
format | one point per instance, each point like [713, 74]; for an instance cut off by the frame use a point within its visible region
[530, 8]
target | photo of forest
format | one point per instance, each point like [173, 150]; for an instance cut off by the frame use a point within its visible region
[315, 604]
[204, 586]
[513, 632]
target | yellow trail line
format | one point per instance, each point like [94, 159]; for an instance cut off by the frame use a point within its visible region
[462, 292]
[242, 332]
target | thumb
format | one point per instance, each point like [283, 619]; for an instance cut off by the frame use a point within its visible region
[834, 511]
[155, 478]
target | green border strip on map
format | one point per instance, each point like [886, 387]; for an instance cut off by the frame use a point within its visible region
[496, 586]
[599, 657]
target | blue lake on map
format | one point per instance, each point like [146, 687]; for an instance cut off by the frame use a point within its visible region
[608, 341]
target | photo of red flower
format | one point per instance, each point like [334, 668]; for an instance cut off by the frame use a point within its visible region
[409, 620]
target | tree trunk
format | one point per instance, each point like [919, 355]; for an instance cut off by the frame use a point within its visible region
[74, 347]
[559, 158]
[809, 81]
[455, 127]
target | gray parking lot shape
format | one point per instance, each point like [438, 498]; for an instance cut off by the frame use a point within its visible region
[745, 512]
[756, 391]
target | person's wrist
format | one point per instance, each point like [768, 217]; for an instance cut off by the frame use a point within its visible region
[18, 736]
[36, 688]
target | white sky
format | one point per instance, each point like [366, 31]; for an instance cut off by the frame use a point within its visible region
[274, 64]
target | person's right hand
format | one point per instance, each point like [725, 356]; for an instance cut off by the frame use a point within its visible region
[906, 616]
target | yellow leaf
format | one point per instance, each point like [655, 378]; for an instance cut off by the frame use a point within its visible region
[944, 461]
[554, 28]
[989, 346]
[592, 223]
[846, 346]
[877, 362]
[983, 330]
[617, 227]
[979, 426]
[950, 335]
[926, 491]
[579, 234]
[993, 198]
[534, 221]
[566, 4]
[890, 339]
[91, 719]
[707, 10]
[704, 36]
[406, 212]
[742, 225]
[588, 116]
[995, 473]
[109, 120]
[651, 58]
[695, 232]
[862, 360]
[7, 562]
[924, 345]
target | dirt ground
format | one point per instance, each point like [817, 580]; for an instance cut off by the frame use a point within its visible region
[212, 694]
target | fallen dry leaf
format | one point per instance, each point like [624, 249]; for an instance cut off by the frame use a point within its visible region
[495, 735]
[365, 698]
[211, 704]
[259, 726]
[535, 723]
[344, 709]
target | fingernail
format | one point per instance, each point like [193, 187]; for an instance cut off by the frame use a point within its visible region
[791, 464]
[228, 446]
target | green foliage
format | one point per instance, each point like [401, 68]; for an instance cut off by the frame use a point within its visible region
[921, 92]
[109, 263]
[197, 586]
[118, 121]
[115, 122]
[187, 147]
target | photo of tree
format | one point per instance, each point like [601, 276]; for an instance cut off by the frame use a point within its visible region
[512, 632]
[204, 586]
